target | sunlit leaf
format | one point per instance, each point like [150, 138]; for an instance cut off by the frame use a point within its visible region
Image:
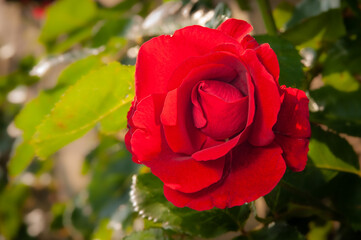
[149, 234]
[64, 16]
[35, 111]
[93, 98]
[22, 157]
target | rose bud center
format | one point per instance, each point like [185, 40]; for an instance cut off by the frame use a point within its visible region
[219, 109]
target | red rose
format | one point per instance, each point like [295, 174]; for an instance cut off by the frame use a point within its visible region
[210, 119]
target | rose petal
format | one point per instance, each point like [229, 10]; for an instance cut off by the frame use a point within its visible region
[159, 57]
[269, 60]
[182, 173]
[293, 128]
[253, 172]
[216, 151]
[235, 28]
[267, 100]
[179, 129]
[144, 139]
[294, 151]
[249, 42]
[224, 108]
[293, 118]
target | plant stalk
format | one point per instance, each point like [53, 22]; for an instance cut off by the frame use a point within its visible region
[267, 16]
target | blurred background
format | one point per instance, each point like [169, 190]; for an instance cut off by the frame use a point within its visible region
[82, 191]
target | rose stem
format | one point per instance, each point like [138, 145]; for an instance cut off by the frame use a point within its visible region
[267, 16]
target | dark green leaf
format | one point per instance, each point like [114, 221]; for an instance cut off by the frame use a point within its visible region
[148, 199]
[330, 151]
[338, 110]
[276, 232]
[345, 191]
[291, 73]
[342, 66]
[327, 26]
[310, 8]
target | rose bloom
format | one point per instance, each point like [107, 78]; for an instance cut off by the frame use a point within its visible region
[210, 119]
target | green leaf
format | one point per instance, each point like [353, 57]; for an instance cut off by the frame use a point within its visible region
[77, 36]
[34, 111]
[78, 69]
[338, 110]
[282, 14]
[115, 122]
[149, 234]
[22, 157]
[103, 231]
[330, 151]
[310, 8]
[313, 31]
[111, 170]
[93, 98]
[301, 188]
[342, 66]
[12, 201]
[64, 16]
[291, 73]
[109, 29]
[148, 199]
[345, 192]
[278, 231]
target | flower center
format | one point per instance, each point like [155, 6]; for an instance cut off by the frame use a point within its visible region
[219, 109]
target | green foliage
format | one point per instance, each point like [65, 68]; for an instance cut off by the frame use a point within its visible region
[291, 73]
[79, 110]
[148, 199]
[123, 201]
[311, 32]
[278, 231]
[64, 16]
[330, 151]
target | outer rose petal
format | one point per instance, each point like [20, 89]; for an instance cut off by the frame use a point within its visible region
[253, 172]
[144, 141]
[293, 128]
[160, 56]
[294, 151]
[235, 28]
[183, 173]
[267, 100]
[269, 60]
[293, 118]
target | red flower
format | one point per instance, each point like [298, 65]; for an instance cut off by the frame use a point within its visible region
[210, 119]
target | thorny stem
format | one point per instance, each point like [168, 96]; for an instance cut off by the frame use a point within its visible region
[267, 16]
